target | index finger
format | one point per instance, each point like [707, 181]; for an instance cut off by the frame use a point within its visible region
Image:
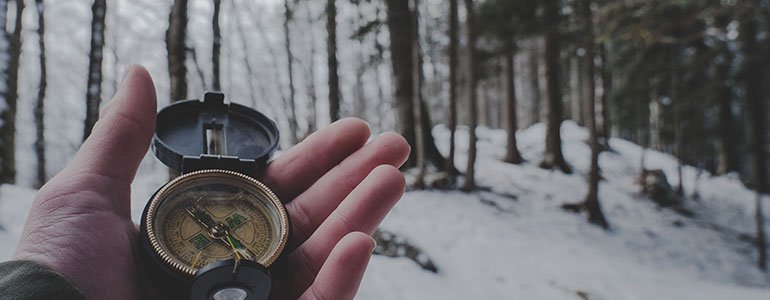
[296, 170]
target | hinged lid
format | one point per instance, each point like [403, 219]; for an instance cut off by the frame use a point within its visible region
[193, 135]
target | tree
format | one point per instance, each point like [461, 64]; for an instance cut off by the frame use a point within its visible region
[470, 179]
[400, 26]
[332, 63]
[94, 85]
[176, 49]
[417, 96]
[591, 203]
[454, 25]
[216, 47]
[756, 120]
[39, 110]
[505, 21]
[553, 157]
[11, 95]
[288, 15]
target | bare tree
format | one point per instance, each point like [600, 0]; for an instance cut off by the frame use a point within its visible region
[454, 25]
[417, 95]
[39, 110]
[216, 47]
[512, 154]
[400, 27]
[553, 157]
[591, 203]
[176, 50]
[95, 56]
[288, 15]
[11, 95]
[310, 79]
[756, 120]
[332, 63]
[470, 173]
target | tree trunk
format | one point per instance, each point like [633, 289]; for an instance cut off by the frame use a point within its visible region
[310, 81]
[288, 15]
[417, 96]
[8, 126]
[331, 44]
[39, 110]
[575, 95]
[453, 62]
[727, 160]
[216, 47]
[534, 75]
[606, 76]
[592, 206]
[94, 86]
[679, 129]
[512, 154]
[400, 27]
[756, 120]
[553, 157]
[470, 173]
[176, 50]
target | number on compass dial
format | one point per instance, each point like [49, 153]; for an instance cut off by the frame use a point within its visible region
[205, 223]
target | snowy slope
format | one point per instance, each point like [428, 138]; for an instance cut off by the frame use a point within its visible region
[522, 246]
[529, 249]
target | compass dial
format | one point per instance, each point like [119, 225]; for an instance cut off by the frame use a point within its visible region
[213, 215]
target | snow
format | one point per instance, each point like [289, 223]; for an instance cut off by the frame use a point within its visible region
[514, 242]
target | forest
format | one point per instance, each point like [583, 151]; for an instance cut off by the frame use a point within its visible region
[687, 78]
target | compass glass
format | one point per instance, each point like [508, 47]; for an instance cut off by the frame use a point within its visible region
[208, 216]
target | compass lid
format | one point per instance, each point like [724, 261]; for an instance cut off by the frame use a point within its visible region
[192, 135]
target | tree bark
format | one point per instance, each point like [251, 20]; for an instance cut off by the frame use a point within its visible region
[592, 205]
[94, 86]
[575, 95]
[512, 154]
[606, 76]
[553, 157]
[470, 173]
[727, 160]
[216, 47]
[176, 49]
[417, 96]
[11, 95]
[400, 27]
[332, 63]
[453, 62]
[756, 120]
[39, 110]
[310, 81]
[288, 15]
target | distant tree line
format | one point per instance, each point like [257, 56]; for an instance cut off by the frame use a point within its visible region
[686, 77]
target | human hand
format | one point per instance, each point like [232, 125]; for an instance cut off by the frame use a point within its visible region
[336, 187]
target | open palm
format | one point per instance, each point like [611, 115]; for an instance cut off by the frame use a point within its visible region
[337, 189]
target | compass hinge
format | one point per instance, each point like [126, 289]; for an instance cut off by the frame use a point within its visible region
[206, 161]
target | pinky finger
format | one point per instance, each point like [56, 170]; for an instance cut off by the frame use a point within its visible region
[341, 274]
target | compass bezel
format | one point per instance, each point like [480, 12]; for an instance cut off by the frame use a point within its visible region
[152, 212]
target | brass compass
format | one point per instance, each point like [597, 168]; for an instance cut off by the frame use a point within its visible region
[214, 231]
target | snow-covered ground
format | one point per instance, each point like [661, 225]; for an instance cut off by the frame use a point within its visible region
[523, 246]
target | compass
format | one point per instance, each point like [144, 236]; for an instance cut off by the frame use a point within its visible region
[214, 231]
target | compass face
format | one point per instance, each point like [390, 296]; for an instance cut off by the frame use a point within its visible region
[213, 215]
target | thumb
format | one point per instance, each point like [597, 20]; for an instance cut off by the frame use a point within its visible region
[120, 139]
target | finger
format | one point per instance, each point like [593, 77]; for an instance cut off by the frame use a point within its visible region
[361, 211]
[341, 274]
[107, 161]
[297, 169]
[310, 208]
[120, 139]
